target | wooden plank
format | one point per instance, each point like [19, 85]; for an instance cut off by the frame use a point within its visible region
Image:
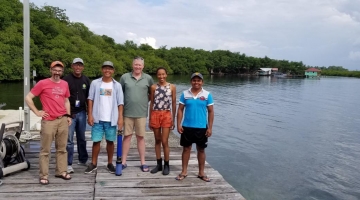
[105, 176]
[54, 186]
[229, 196]
[158, 183]
[133, 184]
[78, 195]
[102, 191]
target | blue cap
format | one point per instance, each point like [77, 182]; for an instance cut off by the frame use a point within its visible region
[197, 74]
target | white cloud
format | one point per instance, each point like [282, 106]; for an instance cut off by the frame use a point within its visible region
[150, 41]
[317, 32]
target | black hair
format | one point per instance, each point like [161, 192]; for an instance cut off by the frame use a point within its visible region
[157, 70]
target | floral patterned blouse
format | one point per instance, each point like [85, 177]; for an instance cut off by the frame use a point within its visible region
[162, 97]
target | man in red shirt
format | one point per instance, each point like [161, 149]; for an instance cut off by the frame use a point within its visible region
[54, 96]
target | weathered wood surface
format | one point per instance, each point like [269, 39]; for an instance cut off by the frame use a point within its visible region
[133, 184]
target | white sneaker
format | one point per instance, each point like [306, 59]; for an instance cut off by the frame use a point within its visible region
[70, 170]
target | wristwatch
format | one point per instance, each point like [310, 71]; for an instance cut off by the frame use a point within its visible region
[67, 115]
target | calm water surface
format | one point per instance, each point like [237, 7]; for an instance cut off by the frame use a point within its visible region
[277, 138]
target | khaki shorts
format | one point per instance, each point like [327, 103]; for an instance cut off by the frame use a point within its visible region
[134, 124]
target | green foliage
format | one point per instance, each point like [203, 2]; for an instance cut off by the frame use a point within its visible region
[339, 71]
[54, 37]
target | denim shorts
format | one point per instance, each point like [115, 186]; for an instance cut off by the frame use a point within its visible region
[99, 129]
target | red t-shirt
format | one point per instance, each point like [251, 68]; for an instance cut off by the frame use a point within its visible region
[52, 96]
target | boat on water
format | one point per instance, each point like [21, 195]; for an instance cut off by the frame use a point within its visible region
[280, 75]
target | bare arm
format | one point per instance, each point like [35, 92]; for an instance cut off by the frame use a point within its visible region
[180, 113]
[120, 117]
[90, 109]
[67, 106]
[210, 120]
[173, 105]
[151, 98]
[29, 101]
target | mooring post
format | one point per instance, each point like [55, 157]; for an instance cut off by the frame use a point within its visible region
[26, 62]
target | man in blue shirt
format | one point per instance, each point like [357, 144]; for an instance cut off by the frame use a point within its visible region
[196, 124]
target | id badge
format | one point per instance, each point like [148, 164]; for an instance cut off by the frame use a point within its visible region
[77, 103]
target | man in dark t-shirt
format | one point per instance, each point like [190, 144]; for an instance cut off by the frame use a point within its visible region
[79, 86]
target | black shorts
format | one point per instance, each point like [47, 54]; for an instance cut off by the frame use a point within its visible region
[194, 135]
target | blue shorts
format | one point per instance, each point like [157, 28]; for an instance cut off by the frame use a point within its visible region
[99, 129]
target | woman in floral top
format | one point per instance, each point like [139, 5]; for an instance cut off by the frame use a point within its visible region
[162, 116]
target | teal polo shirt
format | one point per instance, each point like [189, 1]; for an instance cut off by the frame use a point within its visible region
[196, 108]
[136, 94]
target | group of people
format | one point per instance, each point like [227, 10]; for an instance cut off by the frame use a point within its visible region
[108, 106]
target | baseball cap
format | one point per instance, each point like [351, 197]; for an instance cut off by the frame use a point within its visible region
[56, 63]
[78, 60]
[197, 74]
[108, 63]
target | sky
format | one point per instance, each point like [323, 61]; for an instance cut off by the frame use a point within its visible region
[316, 32]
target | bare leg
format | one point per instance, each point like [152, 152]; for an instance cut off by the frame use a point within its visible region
[185, 159]
[165, 143]
[125, 148]
[141, 148]
[95, 152]
[110, 150]
[201, 160]
[157, 135]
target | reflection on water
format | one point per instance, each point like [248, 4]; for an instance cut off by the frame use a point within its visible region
[278, 138]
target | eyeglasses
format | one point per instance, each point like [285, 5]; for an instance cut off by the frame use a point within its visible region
[57, 71]
[79, 64]
[138, 58]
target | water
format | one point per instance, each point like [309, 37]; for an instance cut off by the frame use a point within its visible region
[277, 138]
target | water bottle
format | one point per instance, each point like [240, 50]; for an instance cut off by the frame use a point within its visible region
[118, 171]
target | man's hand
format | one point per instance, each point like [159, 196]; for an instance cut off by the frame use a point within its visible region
[120, 123]
[208, 132]
[180, 129]
[69, 120]
[90, 120]
[42, 114]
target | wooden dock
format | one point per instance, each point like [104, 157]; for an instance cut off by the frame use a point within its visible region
[133, 184]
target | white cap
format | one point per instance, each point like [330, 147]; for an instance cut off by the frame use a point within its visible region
[78, 60]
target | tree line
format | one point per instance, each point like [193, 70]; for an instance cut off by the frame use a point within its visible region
[54, 37]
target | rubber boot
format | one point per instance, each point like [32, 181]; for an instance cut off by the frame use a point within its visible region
[158, 166]
[166, 170]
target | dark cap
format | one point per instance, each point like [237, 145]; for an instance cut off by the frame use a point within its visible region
[108, 63]
[197, 74]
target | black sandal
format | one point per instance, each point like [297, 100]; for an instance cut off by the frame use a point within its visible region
[181, 177]
[204, 178]
[65, 176]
